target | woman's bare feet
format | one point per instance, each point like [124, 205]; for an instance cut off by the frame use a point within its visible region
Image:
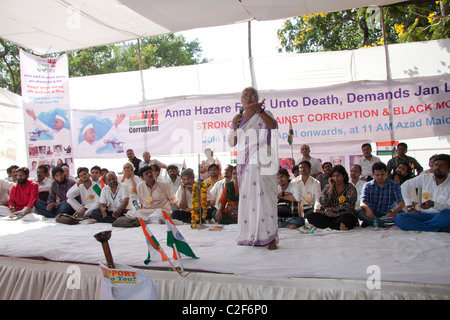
[273, 245]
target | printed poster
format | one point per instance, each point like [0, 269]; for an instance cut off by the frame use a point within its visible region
[46, 105]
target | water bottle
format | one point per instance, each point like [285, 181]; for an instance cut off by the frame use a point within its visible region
[375, 223]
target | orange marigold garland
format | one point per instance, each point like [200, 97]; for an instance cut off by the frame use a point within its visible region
[199, 203]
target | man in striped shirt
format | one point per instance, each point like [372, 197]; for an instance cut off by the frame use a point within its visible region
[381, 199]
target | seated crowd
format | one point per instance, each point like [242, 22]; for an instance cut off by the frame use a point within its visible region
[398, 193]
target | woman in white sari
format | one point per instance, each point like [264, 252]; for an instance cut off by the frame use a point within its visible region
[254, 132]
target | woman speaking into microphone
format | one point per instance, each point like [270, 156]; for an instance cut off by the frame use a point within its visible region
[255, 133]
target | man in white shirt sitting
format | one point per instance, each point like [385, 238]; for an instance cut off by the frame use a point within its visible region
[113, 201]
[131, 180]
[355, 179]
[367, 161]
[44, 181]
[5, 187]
[146, 161]
[316, 167]
[309, 188]
[96, 173]
[84, 190]
[154, 196]
[174, 179]
[433, 213]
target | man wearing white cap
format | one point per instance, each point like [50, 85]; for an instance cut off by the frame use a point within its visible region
[60, 134]
[89, 145]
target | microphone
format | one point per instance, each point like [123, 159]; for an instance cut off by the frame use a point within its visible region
[241, 111]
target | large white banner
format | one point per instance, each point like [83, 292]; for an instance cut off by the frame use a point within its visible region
[363, 111]
[46, 105]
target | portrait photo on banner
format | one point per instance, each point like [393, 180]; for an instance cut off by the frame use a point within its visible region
[98, 135]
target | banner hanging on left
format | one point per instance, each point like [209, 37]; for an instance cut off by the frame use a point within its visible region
[46, 107]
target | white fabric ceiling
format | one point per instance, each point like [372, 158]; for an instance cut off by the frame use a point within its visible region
[47, 26]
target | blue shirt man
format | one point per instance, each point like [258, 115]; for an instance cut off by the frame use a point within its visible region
[381, 198]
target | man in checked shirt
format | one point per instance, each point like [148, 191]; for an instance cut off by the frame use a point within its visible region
[381, 199]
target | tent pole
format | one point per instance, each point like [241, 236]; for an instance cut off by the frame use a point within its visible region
[383, 26]
[142, 83]
[388, 72]
[140, 69]
[250, 58]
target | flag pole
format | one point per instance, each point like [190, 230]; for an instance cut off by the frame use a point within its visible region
[82, 205]
[168, 259]
[178, 256]
[170, 262]
[199, 166]
[292, 156]
[291, 142]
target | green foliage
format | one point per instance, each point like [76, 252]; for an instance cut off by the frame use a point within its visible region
[92, 61]
[356, 28]
[164, 51]
[9, 66]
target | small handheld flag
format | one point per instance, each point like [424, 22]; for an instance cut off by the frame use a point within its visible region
[98, 188]
[291, 134]
[175, 237]
[233, 155]
[155, 253]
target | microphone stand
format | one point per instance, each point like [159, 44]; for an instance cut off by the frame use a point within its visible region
[103, 238]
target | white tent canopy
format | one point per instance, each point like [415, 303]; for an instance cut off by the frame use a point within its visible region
[48, 26]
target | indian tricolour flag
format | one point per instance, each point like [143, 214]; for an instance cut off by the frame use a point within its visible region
[386, 148]
[290, 139]
[233, 155]
[99, 186]
[175, 240]
[155, 253]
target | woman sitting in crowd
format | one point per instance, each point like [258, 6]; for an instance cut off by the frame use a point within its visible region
[338, 198]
